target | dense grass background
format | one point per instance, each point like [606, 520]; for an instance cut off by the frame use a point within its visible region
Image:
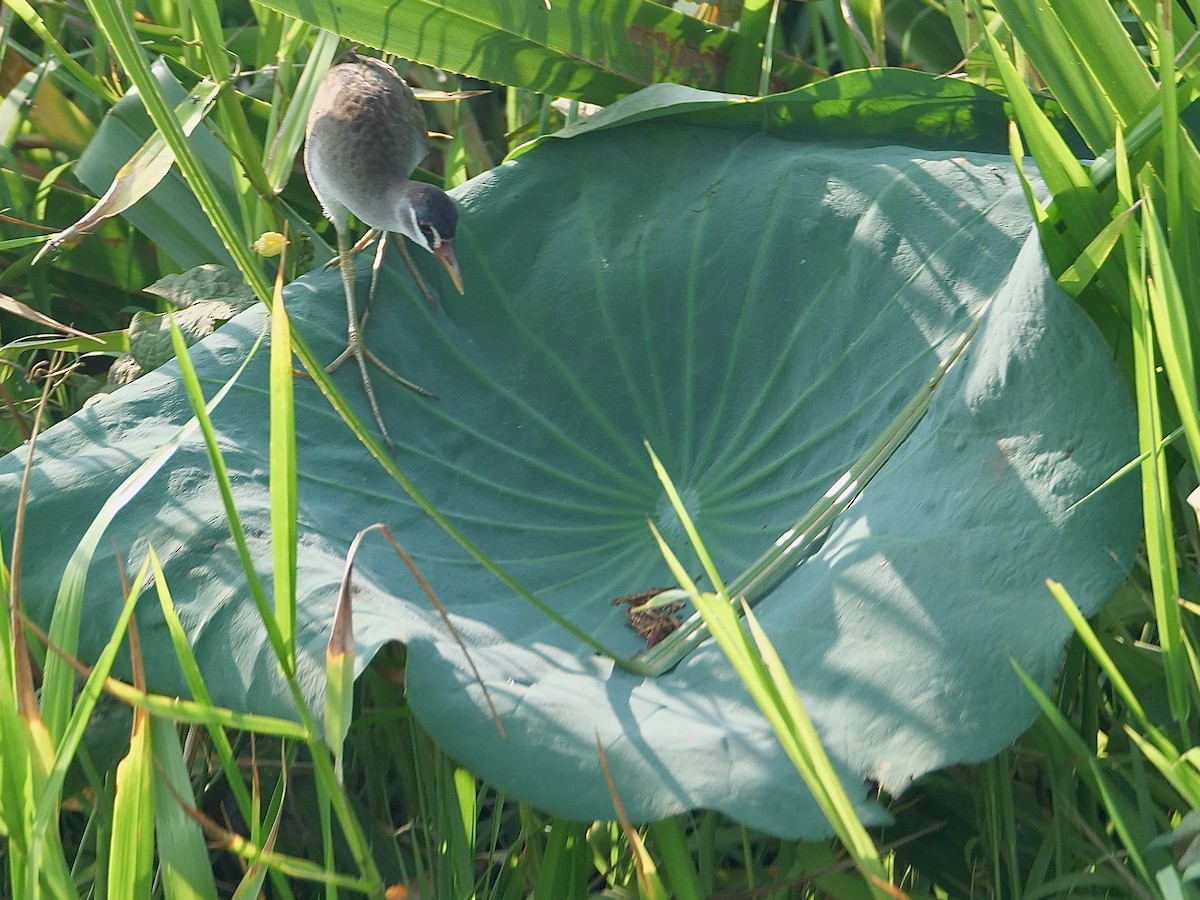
[1084, 804]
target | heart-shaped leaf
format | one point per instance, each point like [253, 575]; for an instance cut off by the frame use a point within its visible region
[759, 308]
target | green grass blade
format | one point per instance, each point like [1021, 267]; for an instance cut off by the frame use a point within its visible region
[1076, 201]
[1119, 683]
[205, 714]
[282, 477]
[1156, 494]
[185, 869]
[1098, 783]
[131, 859]
[195, 395]
[1051, 43]
[762, 672]
[117, 28]
[1172, 328]
[199, 690]
[281, 154]
[47, 810]
[677, 865]
[761, 575]
[1081, 272]
[59, 678]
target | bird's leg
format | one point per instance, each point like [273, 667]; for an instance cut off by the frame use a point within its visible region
[413, 271]
[376, 265]
[363, 243]
[355, 346]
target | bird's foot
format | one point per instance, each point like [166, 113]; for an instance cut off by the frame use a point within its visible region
[360, 352]
[356, 349]
[363, 243]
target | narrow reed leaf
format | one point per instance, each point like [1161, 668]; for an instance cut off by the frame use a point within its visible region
[677, 865]
[1016, 150]
[14, 754]
[796, 735]
[1155, 484]
[281, 155]
[1092, 642]
[141, 174]
[185, 870]
[282, 476]
[710, 568]
[559, 853]
[249, 887]
[1172, 328]
[1168, 101]
[1107, 64]
[676, 567]
[48, 802]
[196, 397]
[1044, 37]
[850, 829]
[1076, 201]
[22, 671]
[117, 28]
[467, 796]
[179, 639]
[205, 714]
[131, 857]
[14, 307]
[1131, 466]
[768, 54]
[1180, 772]
[1081, 272]
[59, 678]
[763, 673]
[1082, 755]
[325, 817]
[114, 342]
[195, 681]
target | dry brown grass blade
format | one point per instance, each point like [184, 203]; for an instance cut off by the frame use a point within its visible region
[15, 307]
[27, 705]
[649, 883]
[441, 610]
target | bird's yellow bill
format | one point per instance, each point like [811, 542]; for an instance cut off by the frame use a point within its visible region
[445, 252]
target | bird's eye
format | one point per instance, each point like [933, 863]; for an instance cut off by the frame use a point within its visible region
[431, 235]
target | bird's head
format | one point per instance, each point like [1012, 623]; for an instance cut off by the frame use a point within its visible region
[431, 220]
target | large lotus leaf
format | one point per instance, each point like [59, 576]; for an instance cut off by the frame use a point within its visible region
[759, 308]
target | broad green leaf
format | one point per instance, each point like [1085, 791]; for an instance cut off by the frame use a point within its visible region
[874, 105]
[593, 50]
[758, 306]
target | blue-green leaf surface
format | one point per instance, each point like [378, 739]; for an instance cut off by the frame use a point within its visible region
[759, 307]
